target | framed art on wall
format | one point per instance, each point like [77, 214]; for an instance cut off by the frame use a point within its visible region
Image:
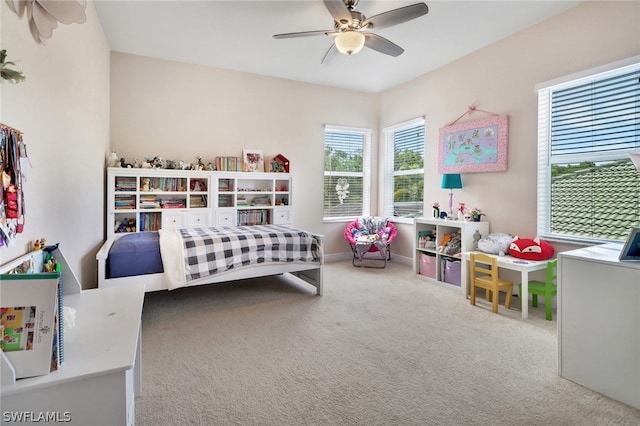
[253, 160]
[475, 146]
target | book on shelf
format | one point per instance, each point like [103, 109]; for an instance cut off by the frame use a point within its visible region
[225, 201]
[125, 202]
[167, 184]
[173, 203]
[225, 185]
[198, 201]
[125, 183]
[150, 221]
[253, 217]
[229, 164]
[261, 201]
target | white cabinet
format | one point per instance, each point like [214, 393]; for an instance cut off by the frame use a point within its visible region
[431, 260]
[184, 219]
[225, 217]
[149, 199]
[599, 321]
[252, 198]
[101, 374]
[282, 216]
[199, 218]
[174, 219]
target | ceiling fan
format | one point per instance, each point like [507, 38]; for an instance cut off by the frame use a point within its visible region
[352, 29]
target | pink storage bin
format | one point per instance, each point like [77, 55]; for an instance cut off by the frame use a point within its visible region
[427, 265]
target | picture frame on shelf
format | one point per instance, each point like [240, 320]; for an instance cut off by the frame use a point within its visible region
[475, 146]
[253, 160]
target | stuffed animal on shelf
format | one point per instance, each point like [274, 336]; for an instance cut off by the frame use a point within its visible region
[131, 225]
[121, 226]
[126, 225]
[531, 249]
[112, 160]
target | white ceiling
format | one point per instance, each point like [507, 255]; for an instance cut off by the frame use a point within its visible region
[237, 35]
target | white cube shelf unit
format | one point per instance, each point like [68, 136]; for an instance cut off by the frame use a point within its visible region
[252, 198]
[429, 259]
[149, 199]
[141, 200]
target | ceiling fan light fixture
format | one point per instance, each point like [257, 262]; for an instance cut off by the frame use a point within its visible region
[350, 42]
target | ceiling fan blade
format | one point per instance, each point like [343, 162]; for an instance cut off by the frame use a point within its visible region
[331, 53]
[338, 10]
[382, 45]
[396, 16]
[302, 34]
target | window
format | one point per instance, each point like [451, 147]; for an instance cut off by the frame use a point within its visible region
[404, 169]
[588, 188]
[347, 170]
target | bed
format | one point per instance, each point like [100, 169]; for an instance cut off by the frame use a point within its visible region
[174, 258]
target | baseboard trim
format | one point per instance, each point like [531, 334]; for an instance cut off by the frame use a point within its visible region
[336, 257]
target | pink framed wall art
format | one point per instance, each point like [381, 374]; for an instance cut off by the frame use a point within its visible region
[475, 146]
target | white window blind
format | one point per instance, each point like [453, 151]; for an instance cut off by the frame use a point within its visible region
[347, 170]
[588, 189]
[404, 169]
[596, 116]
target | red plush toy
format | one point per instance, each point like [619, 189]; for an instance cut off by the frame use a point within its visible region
[530, 249]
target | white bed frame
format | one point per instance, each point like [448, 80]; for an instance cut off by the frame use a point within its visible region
[310, 272]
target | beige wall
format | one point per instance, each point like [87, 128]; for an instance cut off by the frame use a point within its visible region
[502, 78]
[63, 110]
[181, 111]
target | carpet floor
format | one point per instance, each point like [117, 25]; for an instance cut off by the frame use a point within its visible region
[380, 347]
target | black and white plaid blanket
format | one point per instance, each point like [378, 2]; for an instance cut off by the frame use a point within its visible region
[207, 251]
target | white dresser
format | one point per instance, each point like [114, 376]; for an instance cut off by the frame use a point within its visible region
[100, 377]
[599, 321]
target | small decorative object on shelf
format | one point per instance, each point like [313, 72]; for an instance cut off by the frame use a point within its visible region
[279, 164]
[477, 236]
[461, 211]
[436, 209]
[476, 214]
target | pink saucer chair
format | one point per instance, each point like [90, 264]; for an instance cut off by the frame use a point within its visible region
[369, 235]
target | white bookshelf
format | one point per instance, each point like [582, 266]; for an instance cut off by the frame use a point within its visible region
[438, 228]
[242, 198]
[150, 199]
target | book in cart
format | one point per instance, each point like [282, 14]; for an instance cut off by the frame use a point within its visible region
[29, 322]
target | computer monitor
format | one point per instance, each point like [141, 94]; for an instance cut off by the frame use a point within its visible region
[631, 249]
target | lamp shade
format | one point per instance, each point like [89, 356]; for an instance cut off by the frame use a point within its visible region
[349, 42]
[451, 181]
